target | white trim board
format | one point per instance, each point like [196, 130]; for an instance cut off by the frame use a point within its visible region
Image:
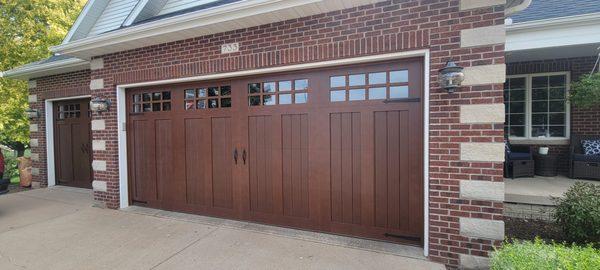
[122, 115]
[49, 119]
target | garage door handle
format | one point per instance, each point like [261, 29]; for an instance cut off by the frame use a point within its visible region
[235, 156]
[244, 156]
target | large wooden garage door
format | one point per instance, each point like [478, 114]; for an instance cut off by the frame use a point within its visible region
[337, 150]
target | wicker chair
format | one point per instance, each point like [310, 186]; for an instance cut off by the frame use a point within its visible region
[582, 165]
[518, 161]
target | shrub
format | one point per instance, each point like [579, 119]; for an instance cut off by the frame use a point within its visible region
[10, 165]
[585, 93]
[578, 213]
[539, 255]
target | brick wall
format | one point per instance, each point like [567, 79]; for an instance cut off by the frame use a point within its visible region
[583, 121]
[40, 89]
[385, 27]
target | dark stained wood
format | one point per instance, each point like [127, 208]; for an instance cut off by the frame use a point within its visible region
[352, 167]
[72, 143]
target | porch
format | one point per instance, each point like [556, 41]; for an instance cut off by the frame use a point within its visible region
[531, 197]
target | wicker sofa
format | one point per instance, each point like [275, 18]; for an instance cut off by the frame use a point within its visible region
[582, 165]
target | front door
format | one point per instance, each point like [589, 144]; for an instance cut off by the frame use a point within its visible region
[72, 143]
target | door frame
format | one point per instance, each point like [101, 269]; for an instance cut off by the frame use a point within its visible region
[425, 53]
[49, 116]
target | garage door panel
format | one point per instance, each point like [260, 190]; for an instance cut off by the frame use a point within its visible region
[391, 173]
[260, 160]
[65, 150]
[169, 189]
[222, 177]
[295, 165]
[144, 160]
[196, 145]
[346, 166]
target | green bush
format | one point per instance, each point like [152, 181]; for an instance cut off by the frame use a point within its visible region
[11, 169]
[578, 213]
[585, 93]
[536, 255]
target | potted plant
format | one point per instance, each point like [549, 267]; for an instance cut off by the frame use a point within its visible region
[585, 93]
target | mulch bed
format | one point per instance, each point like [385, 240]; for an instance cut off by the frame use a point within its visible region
[526, 229]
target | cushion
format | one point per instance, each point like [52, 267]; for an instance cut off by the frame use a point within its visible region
[506, 147]
[591, 147]
[519, 156]
[586, 158]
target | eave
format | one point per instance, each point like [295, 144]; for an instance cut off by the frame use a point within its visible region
[224, 18]
[556, 32]
[46, 69]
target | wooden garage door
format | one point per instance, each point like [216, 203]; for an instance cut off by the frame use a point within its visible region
[337, 150]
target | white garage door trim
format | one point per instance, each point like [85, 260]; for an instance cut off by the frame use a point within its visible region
[122, 114]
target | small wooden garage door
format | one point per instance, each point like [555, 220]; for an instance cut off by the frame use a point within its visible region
[337, 150]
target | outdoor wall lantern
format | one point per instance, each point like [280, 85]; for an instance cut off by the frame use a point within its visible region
[32, 113]
[98, 104]
[451, 76]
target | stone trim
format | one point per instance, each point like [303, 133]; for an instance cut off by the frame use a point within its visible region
[33, 128]
[98, 125]
[35, 171]
[482, 113]
[473, 4]
[482, 190]
[97, 84]
[32, 84]
[482, 152]
[99, 145]
[97, 63]
[99, 186]
[483, 36]
[32, 98]
[471, 262]
[99, 165]
[482, 228]
[34, 143]
[486, 74]
[35, 157]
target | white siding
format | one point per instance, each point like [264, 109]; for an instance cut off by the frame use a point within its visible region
[113, 16]
[151, 8]
[91, 12]
[177, 5]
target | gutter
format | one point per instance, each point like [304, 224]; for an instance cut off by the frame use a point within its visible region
[46, 69]
[180, 23]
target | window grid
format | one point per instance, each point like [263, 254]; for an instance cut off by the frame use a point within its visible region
[278, 92]
[369, 86]
[207, 98]
[152, 102]
[69, 111]
[546, 108]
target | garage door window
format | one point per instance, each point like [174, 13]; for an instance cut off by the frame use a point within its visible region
[69, 111]
[278, 92]
[152, 102]
[369, 86]
[208, 98]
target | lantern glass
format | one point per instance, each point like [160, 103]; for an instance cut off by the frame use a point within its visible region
[451, 80]
[99, 105]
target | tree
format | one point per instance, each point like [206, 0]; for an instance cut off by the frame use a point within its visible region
[27, 29]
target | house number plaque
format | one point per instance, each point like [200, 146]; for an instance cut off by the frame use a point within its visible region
[230, 48]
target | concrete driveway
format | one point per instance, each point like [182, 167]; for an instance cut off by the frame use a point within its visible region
[58, 228]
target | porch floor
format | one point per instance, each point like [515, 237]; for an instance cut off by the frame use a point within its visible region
[538, 190]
